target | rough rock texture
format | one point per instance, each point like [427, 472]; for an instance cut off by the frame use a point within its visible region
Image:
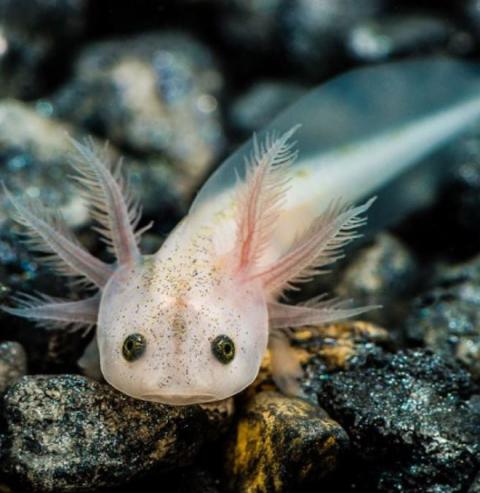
[281, 443]
[447, 317]
[13, 364]
[68, 433]
[412, 418]
[326, 348]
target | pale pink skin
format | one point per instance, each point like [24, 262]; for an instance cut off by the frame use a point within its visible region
[219, 277]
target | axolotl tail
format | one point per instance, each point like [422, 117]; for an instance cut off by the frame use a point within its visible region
[359, 132]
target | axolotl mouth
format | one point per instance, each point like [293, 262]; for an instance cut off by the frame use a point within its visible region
[179, 399]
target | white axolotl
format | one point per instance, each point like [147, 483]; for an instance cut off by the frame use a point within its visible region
[191, 323]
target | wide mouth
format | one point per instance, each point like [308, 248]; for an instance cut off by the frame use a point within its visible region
[179, 399]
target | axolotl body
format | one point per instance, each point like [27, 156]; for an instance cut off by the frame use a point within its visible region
[191, 323]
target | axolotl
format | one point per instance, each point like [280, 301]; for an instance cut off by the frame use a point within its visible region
[191, 323]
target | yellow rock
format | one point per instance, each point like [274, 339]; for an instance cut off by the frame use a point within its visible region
[281, 443]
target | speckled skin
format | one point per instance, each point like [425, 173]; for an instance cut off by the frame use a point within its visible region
[180, 302]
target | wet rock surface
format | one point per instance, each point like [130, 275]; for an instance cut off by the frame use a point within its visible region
[281, 443]
[68, 433]
[413, 418]
[446, 317]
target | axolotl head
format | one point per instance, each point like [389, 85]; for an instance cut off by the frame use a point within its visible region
[179, 331]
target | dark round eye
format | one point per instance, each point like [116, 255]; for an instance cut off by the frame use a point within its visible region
[223, 348]
[133, 347]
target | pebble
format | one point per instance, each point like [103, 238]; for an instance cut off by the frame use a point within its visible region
[379, 39]
[34, 35]
[315, 31]
[156, 94]
[413, 418]
[382, 273]
[282, 444]
[34, 155]
[68, 433]
[446, 318]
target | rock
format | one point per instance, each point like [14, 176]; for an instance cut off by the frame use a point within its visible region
[32, 34]
[281, 444]
[448, 228]
[342, 345]
[33, 155]
[35, 152]
[189, 480]
[383, 273]
[153, 93]
[22, 58]
[459, 206]
[471, 15]
[475, 486]
[446, 318]
[252, 25]
[331, 347]
[375, 40]
[413, 419]
[13, 364]
[68, 433]
[257, 107]
[315, 32]
[62, 18]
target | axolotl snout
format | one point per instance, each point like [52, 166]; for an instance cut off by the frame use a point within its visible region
[191, 323]
[192, 338]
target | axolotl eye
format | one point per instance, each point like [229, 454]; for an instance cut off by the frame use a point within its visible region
[223, 348]
[133, 347]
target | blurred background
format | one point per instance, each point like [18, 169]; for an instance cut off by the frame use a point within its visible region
[175, 87]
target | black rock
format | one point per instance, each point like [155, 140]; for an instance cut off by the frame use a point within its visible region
[383, 273]
[315, 31]
[62, 18]
[68, 433]
[35, 39]
[448, 228]
[475, 486]
[446, 318]
[252, 25]
[22, 58]
[413, 420]
[154, 93]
